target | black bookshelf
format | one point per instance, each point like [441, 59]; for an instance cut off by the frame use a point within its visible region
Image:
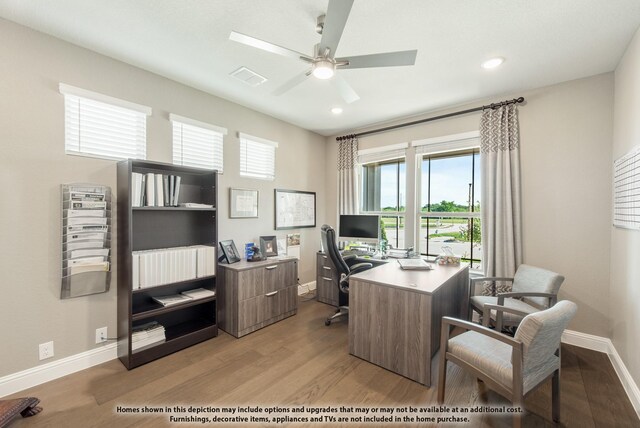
[148, 228]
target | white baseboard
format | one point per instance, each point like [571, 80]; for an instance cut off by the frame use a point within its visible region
[16, 382]
[305, 288]
[602, 344]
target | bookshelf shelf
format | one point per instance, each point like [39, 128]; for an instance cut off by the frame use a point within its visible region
[153, 308]
[142, 228]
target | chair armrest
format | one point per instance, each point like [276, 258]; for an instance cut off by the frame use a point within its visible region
[473, 281]
[469, 326]
[552, 297]
[359, 267]
[486, 315]
[349, 259]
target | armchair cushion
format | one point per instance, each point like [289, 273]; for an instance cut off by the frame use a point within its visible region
[531, 278]
[494, 358]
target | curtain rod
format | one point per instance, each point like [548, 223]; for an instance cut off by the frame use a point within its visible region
[429, 119]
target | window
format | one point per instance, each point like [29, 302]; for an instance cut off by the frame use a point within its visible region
[97, 125]
[257, 157]
[449, 210]
[197, 144]
[384, 190]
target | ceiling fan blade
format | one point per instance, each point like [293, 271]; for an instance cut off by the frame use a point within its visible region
[334, 22]
[346, 91]
[291, 83]
[388, 59]
[266, 46]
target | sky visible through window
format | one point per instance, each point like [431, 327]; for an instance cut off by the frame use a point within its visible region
[450, 178]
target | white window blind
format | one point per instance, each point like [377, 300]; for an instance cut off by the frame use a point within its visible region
[97, 125]
[380, 154]
[197, 143]
[257, 157]
[448, 143]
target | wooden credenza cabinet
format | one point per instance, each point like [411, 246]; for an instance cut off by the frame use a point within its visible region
[252, 295]
[326, 280]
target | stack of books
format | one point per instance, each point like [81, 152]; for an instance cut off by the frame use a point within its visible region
[167, 265]
[155, 190]
[147, 335]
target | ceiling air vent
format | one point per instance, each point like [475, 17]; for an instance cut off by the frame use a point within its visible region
[249, 77]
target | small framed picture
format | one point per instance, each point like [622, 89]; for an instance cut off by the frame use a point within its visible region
[243, 203]
[229, 251]
[268, 246]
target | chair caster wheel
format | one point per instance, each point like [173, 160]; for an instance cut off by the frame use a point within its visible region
[327, 322]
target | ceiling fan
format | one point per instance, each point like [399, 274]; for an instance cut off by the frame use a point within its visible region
[324, 62]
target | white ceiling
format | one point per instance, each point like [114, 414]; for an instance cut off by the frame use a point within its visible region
[543, 41]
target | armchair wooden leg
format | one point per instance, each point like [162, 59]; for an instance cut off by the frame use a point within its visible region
[442, 376]
[555, 396]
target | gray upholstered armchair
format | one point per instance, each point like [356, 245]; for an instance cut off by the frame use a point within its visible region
[533, 289]
[511, 366]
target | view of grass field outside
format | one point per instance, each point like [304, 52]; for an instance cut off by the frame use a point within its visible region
[449, 203]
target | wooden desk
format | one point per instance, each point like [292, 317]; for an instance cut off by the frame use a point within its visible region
[395, 315]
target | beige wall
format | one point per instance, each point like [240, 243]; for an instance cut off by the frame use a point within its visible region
[33, 165]
[625, 244]
[565, 154]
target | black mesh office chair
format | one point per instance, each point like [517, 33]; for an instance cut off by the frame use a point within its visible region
[344, 266]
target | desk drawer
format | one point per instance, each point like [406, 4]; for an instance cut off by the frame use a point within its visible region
[265, 279]
[261, 310]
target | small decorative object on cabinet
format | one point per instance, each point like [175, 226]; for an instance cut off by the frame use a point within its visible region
[254, 295]
[166, 295]
[268, 246]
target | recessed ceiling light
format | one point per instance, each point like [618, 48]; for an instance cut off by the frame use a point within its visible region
[492, 63]
[336, 110]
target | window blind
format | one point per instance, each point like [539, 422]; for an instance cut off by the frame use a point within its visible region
[257, 157]
[197, 144]
[449, 143]
[379, 154]
[105, 127]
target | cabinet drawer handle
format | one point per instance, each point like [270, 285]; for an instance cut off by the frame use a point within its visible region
[326, 267]
[327, 279]
[273, 293]
[271, 267]
[324, 257]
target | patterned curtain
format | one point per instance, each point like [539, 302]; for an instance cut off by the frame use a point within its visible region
[347, 179]
[501, 209]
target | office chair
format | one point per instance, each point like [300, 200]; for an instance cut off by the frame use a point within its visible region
[511, 366]
[344, 266]
[534, 289]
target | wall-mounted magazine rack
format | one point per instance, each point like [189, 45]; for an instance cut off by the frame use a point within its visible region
[86, 239]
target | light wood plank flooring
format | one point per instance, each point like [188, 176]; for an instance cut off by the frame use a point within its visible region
[299, 361]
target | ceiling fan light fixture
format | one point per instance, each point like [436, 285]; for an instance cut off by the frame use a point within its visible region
[323, 69]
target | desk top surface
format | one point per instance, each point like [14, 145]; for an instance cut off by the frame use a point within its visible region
[421, 281]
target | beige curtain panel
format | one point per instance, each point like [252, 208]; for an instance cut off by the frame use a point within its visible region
[347, 176]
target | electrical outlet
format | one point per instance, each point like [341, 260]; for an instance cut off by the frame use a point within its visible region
[46, 350]
[101, 334]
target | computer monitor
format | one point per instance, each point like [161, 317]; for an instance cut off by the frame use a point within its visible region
[362, 228]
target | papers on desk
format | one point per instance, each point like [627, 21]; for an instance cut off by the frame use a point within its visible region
[414, 264]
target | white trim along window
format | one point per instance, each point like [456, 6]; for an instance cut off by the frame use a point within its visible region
[100, 126]
[197, 144]
[257, 157]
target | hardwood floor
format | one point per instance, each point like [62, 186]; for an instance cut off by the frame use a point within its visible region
[300, 362]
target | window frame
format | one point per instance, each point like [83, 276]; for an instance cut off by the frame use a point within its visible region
[399, 215]
[446, 147]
